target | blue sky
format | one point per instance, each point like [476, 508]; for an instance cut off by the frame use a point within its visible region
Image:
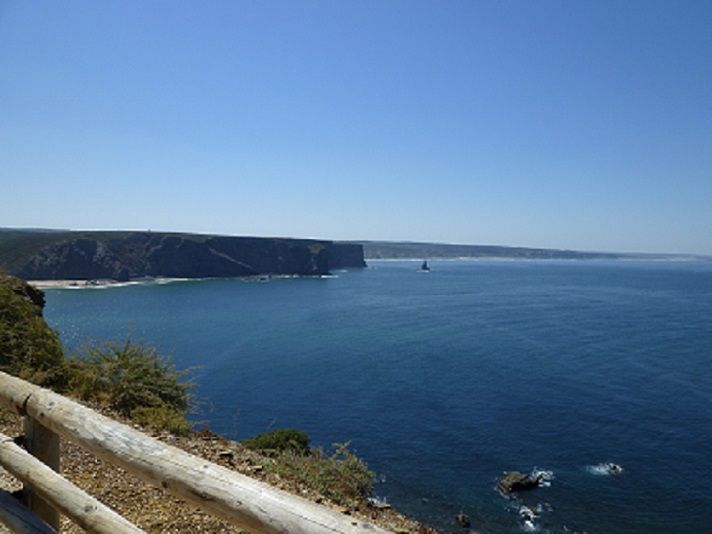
[571, 124]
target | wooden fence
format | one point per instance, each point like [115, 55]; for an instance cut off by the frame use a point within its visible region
[241, 500]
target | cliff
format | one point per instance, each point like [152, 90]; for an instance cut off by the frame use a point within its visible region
[37, 255]
[345, 255]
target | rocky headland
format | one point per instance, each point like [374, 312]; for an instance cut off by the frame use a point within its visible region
[123, 256]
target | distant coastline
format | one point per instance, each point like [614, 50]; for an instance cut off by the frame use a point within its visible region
[98, 259]
[512, 259]
[405, 250]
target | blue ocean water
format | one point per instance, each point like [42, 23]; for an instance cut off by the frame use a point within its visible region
[443, 380]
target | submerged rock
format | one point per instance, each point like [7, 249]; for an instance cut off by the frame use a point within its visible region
[380, 504]
[606, 468]
[614, 469]
[463, 520]
[512, 481]
[609, 468]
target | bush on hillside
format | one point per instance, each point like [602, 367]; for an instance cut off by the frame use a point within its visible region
[280, 440]
[162, 418]
[132, 379]
[341, 476]
[29, 349]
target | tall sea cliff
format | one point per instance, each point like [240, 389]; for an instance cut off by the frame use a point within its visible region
[36, 255]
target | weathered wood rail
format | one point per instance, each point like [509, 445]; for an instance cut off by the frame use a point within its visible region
[242, 501]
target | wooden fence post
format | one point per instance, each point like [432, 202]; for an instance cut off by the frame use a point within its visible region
[16, 517]
[43, 444]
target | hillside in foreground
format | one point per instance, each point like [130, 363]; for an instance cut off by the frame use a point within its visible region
[133, 385]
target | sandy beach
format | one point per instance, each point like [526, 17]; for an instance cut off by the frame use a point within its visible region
[100, 283]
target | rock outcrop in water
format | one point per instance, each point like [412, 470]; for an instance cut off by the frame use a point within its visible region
[512, 481]
[463, 520]
[121, 256]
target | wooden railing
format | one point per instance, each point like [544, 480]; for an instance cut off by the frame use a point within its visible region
[242, 501]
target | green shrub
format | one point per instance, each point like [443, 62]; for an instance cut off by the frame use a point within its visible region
[341, 476]
[280, 440]
[128, 376]
[161, 418]
[29, 348]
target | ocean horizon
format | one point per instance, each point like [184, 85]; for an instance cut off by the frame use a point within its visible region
[441, 381]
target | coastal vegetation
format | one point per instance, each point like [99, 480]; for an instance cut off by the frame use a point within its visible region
[280, 440]
[133, 380]
[129, 378]
[29, 349]
[340, 475]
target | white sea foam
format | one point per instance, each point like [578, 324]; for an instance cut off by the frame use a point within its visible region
[101, 284]
[529, 526]
[545, 477]
[528, 517]
[163, 281]
[605, 469]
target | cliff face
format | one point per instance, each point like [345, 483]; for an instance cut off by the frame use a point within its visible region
[345, 255]
[127, 255]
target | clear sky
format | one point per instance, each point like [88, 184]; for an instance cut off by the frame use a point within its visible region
[571, 124]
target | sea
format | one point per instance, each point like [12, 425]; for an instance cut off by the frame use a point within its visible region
[441, 381]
